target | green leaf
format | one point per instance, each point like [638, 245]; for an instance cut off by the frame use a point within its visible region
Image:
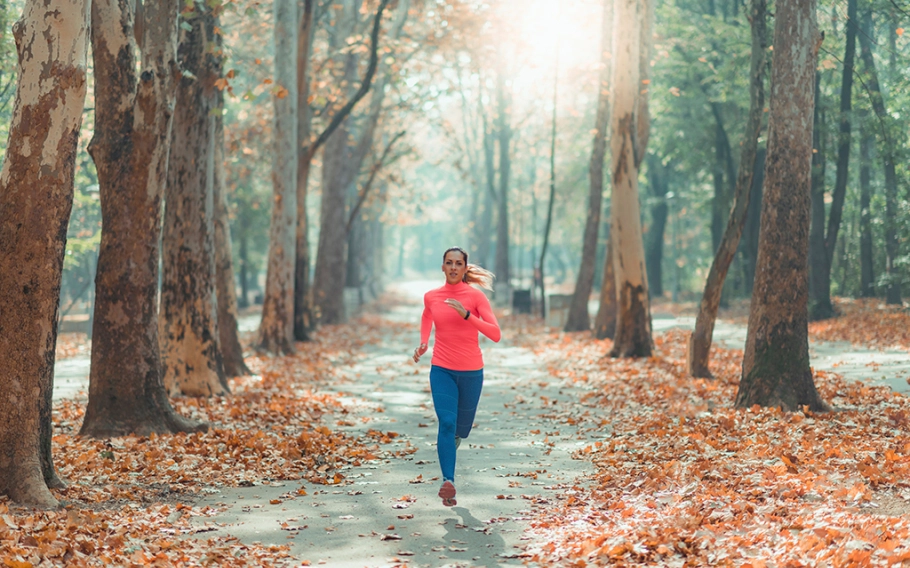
[185, 26]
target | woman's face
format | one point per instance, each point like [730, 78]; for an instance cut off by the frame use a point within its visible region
[454, 267]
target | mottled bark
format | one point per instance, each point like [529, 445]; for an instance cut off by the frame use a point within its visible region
[699, 346]
[130, 151]
[889, 157]
[633, 322]
[276, 330]
[36, 198]
[776, 363]
[226, 288]
[579, 319]
[188, 320]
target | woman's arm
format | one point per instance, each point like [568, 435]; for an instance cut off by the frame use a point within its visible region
[484, 320]
[426, 323]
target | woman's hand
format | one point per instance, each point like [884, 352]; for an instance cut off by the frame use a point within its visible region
[456, 305]
[419, 351]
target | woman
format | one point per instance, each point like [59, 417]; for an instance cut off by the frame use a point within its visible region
[458, 311]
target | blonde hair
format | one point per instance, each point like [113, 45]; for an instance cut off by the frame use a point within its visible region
[474, 274]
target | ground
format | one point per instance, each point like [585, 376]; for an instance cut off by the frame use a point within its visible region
[328, 457]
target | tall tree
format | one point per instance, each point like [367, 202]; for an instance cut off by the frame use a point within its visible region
[189, 326]
[36, 197]
[579, 319]
[226, 288]
[822, 240]
[552, 198]
[867, 274]
[504, 140]
[699, 347]
[276, 331]
[658, 185]
[776, 363]
[302, 313]
[889, 157]
[605, 320]
[331, 260]
[628, 139]
[130, 149]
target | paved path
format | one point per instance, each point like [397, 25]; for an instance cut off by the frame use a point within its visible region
[391, 514]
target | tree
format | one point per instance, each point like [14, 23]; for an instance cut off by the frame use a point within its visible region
[130, 150]
[189, 326]
[628, 139]
[889, 157]
[822, 240]
[328, 282]
[504, 132]
[552, 198]
[303, 317]
[700, 340]
[578, 318]
[276, 331]
[867, 275]
[226, 289]
[776, 363]
[36, 197]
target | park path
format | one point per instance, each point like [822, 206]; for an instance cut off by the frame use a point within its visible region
[390, 514]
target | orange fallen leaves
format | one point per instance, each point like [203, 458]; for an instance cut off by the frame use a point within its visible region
[866, 322]
[682, 478]
[129, 499]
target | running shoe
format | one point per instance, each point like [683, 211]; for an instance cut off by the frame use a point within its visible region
[447, 494]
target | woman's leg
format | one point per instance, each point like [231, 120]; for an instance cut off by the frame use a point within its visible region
[469, 384]
[445, 402]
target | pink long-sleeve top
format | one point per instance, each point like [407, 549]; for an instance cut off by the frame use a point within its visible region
[456, 346]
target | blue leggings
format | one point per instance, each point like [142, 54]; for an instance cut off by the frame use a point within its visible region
[455, 397]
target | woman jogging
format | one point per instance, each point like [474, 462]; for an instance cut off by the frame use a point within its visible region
[458, 311]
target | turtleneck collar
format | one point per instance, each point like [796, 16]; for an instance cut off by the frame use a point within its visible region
[458, 286]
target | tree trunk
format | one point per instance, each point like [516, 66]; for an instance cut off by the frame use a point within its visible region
[36, 198]
[489, 198]
[776, 363]
[303, 317]
[633, 323]
[824, 239]
[244, 300]
[654, 247]
[579, 319]
[504, 129]
[753, 220]
[188, 319]
[328, 298]
[817, 255]
[338, 175]
[889, 156]
[130, 150]
[226, 289]
[699, 347]
[867, 275]
[605, 320]
[541, 265]
[276, 331]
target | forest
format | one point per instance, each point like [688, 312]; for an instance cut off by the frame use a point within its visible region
[224, 214]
